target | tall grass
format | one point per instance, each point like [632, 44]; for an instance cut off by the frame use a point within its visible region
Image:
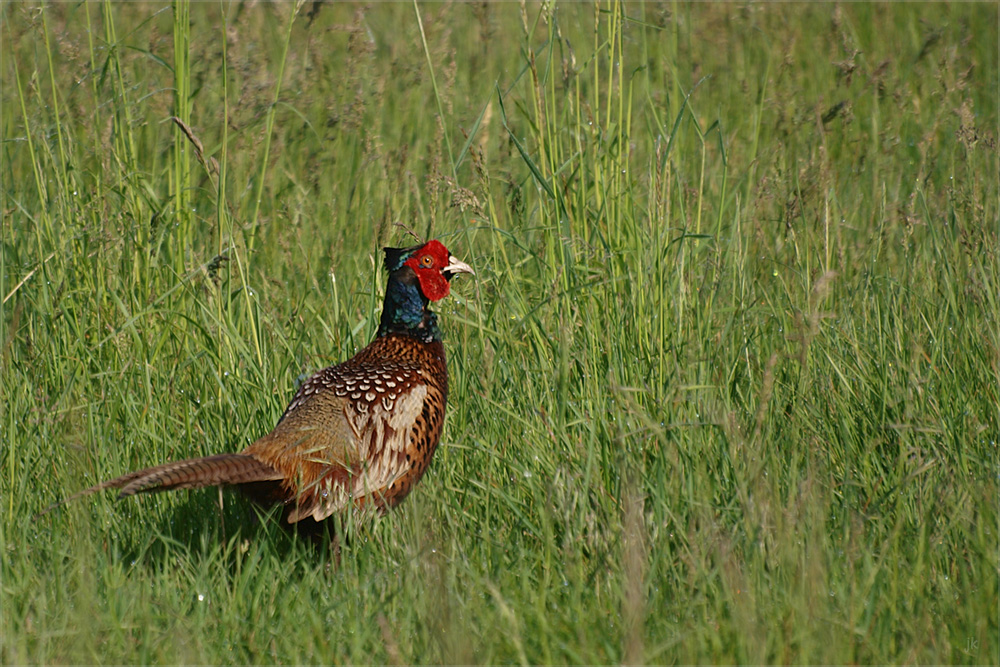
[725, 387]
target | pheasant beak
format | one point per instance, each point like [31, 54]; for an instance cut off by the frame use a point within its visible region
[456, 266]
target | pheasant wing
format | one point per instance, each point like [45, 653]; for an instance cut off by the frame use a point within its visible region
[345, 436]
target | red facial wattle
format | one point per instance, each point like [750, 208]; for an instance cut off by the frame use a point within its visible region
[428, 263]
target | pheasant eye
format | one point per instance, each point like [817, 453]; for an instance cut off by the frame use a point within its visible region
[427, 261]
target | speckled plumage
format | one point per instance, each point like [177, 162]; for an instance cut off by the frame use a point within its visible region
[362, 432]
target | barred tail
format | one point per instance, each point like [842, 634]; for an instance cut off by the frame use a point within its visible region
[217, 470]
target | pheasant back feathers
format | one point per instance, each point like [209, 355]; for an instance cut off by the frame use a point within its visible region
[360, 432]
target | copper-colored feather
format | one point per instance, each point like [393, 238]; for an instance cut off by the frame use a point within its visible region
[358, 433]
[198, 473]
[188, 474]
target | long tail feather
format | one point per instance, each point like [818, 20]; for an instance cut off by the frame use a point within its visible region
[217, 470]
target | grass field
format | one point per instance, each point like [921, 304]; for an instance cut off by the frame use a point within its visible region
[724, 388]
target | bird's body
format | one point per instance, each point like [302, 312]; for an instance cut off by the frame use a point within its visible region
[359, 433]
[387, 402]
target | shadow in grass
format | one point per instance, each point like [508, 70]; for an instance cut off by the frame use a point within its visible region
[198, 527]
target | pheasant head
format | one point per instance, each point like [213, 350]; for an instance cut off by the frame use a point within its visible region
[417, 276]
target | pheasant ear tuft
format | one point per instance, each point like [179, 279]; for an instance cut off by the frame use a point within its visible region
[394, 257]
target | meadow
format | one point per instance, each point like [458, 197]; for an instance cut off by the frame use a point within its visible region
[724, 387]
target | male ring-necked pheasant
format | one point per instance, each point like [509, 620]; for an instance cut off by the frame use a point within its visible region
[361, 432]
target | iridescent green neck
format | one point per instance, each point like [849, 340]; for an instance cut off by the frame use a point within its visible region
[404, 310]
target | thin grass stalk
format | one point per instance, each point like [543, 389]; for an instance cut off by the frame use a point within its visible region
[583, 228]
[701, 183]
[181, 176]
[125, 154]
[268, 131]
[98, 176]
[224, 223]
[751, 179]
[681, 260]
[550, 133]
[611, 180]
[621, 139]
[255, 217]
[437, 94]
[724, 192]
[658, 219]
[548, 155]
[63, 169]
[43, 228]
[595, 106]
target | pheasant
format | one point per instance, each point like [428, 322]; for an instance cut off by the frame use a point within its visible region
[361, 432]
